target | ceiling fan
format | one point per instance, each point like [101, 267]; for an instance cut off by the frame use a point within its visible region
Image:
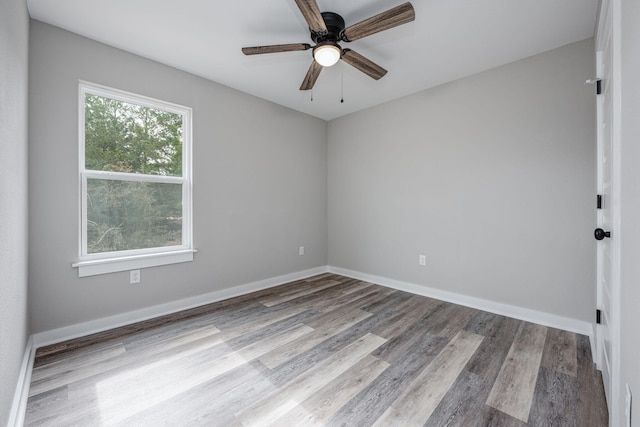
[327, 29]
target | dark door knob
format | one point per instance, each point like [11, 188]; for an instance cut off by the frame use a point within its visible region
[600, 234]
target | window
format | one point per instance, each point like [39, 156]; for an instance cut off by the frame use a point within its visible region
[135, 181]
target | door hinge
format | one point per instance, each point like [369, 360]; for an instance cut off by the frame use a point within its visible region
[599, 201]
[598, 83]
[598, 317]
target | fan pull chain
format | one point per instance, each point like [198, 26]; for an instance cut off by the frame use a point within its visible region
[341, 82]
[311, 94]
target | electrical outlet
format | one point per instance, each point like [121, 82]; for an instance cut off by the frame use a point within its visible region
[422, 260]
[134, 276]
[301, 250]
[627, 405]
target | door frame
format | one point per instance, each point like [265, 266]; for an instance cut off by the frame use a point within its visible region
[610, 10]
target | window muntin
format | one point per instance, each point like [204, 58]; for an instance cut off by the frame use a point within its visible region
[135, 175]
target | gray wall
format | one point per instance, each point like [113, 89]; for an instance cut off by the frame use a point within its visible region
[630, 210]
[259, 184]
[14, 42]
[492, 177]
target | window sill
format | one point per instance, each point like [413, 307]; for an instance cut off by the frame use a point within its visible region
[113, 265]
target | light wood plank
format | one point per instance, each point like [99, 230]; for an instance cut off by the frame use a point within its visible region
[157, 383]
[318, 408]
[210, 403]
[513, 390]
[276, 405]
[149, 356]
[416, 404]
[326, 326]
[59, 367]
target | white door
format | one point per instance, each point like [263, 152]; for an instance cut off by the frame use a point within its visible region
[606, 331]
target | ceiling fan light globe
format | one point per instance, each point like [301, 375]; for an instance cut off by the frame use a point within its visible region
[327, 54]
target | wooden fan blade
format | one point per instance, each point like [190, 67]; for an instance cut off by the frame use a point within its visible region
[311, 77]
[363, 64]
[275, 48]
[391, 18]
[312, 15]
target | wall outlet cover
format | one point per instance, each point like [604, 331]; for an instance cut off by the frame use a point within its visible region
[134, 276]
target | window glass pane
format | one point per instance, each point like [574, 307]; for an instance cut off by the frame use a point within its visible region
[124, 137]
[124, 215]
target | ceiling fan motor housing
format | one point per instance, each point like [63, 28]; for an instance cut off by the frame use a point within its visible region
[335, 27]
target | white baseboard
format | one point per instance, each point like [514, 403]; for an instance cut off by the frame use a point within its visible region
[86, 328]
[526, 314]
[19, 406]
[93, 326]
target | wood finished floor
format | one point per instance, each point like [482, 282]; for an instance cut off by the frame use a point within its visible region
[328, 350]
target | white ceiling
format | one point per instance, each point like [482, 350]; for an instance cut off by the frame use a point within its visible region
[448, 40]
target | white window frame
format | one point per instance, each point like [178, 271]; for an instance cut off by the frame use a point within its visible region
[110, 262]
